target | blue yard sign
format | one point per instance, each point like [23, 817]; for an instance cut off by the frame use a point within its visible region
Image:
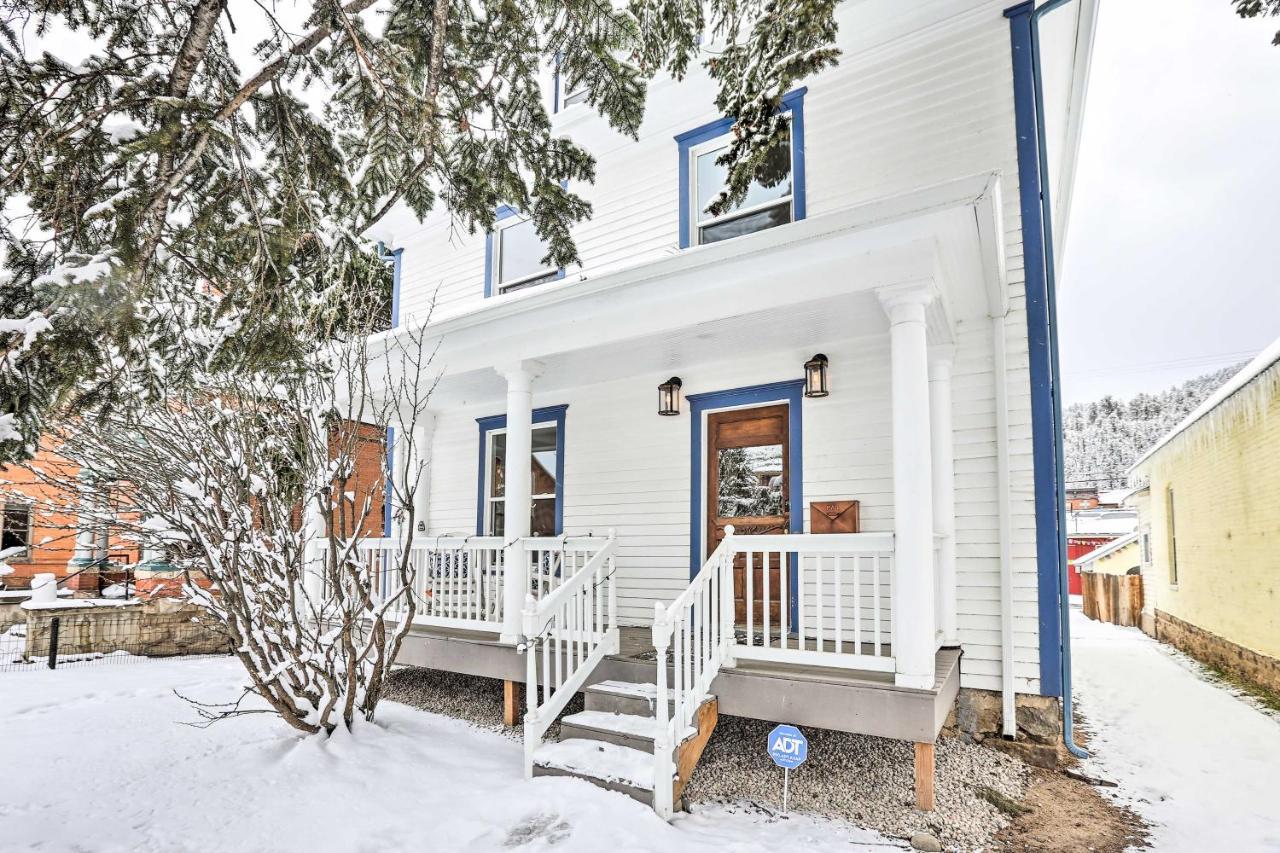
[788, 748]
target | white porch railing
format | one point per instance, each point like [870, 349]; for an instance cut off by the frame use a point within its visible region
[698, 630]
[831, 605]
[567, 632]
[458, 580]
[842, 612]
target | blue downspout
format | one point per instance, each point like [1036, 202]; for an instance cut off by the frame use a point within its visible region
[1049, 307]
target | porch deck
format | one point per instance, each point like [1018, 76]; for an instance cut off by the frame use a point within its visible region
[862, 702]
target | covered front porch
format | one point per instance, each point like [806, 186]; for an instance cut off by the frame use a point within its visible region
[616, 554]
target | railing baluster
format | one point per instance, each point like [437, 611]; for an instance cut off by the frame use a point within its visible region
[875, 597]
[768, 604]
[800, 596]
[817, 600]
[784, 589]
[839, 568]
[751, 597]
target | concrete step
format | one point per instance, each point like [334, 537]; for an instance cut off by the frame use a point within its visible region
[606, 765]
[629, 730]
[624, 697]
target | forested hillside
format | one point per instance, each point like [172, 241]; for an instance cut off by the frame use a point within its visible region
[1104, 437]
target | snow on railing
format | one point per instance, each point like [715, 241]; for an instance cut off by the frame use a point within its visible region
[457, 580]
[567, 632]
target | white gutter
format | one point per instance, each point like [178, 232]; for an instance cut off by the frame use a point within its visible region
[1009, 711]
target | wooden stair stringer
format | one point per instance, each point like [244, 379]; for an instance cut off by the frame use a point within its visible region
[690, 751]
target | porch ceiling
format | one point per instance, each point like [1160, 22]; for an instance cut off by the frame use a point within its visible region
[787, 288]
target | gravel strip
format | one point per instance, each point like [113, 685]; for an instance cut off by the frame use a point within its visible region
[864, 780]
[465, 697]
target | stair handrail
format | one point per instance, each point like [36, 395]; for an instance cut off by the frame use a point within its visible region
[565, 629]
[697, 660]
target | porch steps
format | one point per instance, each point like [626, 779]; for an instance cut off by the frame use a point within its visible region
[611, 743]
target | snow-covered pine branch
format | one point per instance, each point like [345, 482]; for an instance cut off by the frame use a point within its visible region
[244, 151]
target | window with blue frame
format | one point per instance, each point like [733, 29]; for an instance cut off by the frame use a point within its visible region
[546, 469]
[775, 198]
[513, 255]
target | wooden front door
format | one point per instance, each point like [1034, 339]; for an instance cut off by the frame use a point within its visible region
[748, 486]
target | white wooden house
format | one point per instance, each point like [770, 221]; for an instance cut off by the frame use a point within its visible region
[909, 248]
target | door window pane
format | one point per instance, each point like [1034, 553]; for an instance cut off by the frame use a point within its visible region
[749, 482]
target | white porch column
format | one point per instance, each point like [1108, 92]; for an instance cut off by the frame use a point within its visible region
[313, 522]
[401, 465]
[941, 360]
[914, 643]
[518, 501]
[423, 434]
[86, 524]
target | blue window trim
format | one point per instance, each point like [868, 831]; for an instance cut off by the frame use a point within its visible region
[490, 423]
[1040, 352]
[503, 212]
[792, 102]
[790, 392]
[395, 257]
[391, 467]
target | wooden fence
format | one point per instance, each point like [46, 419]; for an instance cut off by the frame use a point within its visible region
[1113, 598]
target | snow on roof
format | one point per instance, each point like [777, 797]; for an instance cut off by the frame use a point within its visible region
[1102, 522]
[1113, 496]
[1264, 361]
[1110, 548]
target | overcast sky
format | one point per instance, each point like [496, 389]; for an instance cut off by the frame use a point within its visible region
[1173, 255]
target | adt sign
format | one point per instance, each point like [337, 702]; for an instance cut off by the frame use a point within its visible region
[788, 747]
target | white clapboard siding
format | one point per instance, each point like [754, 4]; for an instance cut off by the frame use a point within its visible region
[922, 95]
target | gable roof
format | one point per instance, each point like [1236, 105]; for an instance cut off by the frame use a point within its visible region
[1264, 361]
[1110, 548]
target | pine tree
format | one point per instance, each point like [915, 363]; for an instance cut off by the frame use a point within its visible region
[156, 189]
[1259, 9]
[1103, 438]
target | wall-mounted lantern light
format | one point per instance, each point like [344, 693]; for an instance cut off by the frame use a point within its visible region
[669, 396]
[815, 377]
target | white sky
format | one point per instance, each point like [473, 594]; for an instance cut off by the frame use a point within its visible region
[1173, 257]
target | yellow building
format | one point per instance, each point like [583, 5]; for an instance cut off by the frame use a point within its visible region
[1209, 527]
[1117, 557]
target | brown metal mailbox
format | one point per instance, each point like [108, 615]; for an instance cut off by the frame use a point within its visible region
[833, 517]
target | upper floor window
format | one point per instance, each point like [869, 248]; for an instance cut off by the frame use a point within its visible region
[776, 197]
[514, 256]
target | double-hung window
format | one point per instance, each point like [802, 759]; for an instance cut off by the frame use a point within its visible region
[774, 198]
[546, 465]
[515, 253]
[15, 532]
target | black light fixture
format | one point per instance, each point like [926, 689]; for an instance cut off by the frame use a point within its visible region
[669, 397]
[815, 377]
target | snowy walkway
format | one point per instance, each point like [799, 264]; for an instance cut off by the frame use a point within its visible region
[1200, 764]
[97, 759]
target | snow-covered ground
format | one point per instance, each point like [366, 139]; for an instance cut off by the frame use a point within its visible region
[1202, 765]
[100, 758]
